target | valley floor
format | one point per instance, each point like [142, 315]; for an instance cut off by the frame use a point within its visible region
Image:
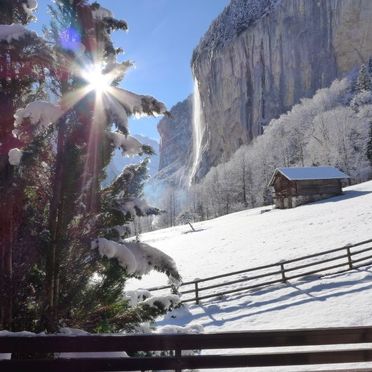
[252, 238]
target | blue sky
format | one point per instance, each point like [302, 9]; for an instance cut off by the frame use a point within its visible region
[162, 35]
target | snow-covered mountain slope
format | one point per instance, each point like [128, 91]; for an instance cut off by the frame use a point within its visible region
[252, 238]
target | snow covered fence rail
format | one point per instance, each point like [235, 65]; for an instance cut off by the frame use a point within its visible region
[303, 347]
[332, 261]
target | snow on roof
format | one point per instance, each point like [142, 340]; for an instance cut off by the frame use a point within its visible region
[309, 173]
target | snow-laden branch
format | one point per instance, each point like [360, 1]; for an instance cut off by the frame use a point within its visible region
[122, 104]
[9, 33]
[100, 13]
[14, 156]
[138, 258]
[135, 206]
[128, 144]
[30, 7]
[144, 297]
[40, 114]
[136, 296]
[105, 17]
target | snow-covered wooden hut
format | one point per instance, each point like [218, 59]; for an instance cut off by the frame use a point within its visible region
[300, 185]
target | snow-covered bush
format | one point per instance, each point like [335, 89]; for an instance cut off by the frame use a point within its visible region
[361, 99]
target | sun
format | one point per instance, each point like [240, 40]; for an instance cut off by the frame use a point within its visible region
[96, 79]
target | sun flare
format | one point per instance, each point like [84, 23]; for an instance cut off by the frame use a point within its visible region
[97, 80]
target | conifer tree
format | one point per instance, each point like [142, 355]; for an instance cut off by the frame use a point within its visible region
[364, 82]
[370, 66]
[80, 280]
[23, 61]
[369, 144]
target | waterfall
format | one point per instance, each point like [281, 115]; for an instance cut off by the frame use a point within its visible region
[197, 130]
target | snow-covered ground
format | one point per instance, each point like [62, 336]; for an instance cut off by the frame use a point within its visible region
[252, 238]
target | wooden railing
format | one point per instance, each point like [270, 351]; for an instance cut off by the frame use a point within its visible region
[327, 262]
[355, 347]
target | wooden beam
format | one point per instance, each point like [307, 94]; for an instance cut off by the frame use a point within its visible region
[225, 340]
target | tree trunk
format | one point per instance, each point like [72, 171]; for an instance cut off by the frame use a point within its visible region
[50, 310]
[8, 207]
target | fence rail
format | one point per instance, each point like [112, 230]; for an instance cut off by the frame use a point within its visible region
[327, 262]
[355, 341]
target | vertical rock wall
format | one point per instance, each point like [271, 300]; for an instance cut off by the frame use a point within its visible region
[293, 49]
[176, 144]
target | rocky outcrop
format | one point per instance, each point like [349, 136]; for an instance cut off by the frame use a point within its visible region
[251, 72]
[176, 144]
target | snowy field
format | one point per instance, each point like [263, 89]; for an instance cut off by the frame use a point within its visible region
[252, 238]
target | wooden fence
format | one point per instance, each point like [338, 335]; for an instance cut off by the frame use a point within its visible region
[327, 262]
[268, 351]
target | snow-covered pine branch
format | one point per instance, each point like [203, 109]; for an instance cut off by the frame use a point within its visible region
[135, 207]
[30, 122]
[40, 114]
[129, 145]
[21, 11]
[163, 303]
[105, 23]
[128, 183]
[100, 13]
[144, 297]
[138, 258]
[15, 156]
[134, 297]
[30, 7]
[31, 48]
[124, 104]
[105, 16]
[14, 32]
[117, 70]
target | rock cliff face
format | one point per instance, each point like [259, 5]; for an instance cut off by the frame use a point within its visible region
[253, 68]
[176, 144]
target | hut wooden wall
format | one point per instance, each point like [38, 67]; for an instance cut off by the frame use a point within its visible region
[318, 187]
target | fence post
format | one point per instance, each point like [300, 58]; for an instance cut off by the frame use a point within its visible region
[196, 292]
[282, 270]
[349, 258]
[178, 354]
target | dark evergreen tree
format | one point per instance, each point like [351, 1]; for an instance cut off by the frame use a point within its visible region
[364, 82]
[54, 158]
[369, 144]
[86, 262]
[370, 67]
[23, 61]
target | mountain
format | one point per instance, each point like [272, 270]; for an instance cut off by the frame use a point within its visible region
[259, 58]
[176, 144]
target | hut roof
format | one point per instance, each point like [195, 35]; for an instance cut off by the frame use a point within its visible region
[309, 173]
